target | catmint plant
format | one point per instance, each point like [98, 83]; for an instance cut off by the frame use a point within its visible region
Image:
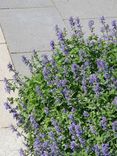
[68, 106]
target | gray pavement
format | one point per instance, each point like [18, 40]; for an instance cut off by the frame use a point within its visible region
[29, 25]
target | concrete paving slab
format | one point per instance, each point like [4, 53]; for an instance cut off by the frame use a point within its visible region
[4, 60]
[86, 8]
[29, 29]
[2, 40]
[9, 144]
[24, 3]
[20, 66]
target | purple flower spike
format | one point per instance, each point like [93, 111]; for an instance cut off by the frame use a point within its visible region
[21, 152]
[91, 24]
[13, 128]
[64, 49]
[7, 106]
[78, 21]
[71, 117]
[84, 87]
[25, 60]
[104, 123]
[45, 59]
[74, 68]
[102, 20]
[101, 64]
[57, 29]
[105, 150]
[93, 78]
[52, 45]
[38, 90]
[78, 130]
[73, 145]
[36, 144]
[114, 24]
[85, 114]
[114, 126]
[65, 93]
[97, 150]
[71, 21]
[60, 36]
[10, 67]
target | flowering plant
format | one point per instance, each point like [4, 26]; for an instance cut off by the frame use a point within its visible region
[69, 105]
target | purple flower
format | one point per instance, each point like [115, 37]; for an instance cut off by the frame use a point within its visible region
[82, 54]
[25, 60]
[105, 150]
[45, 144]
[7, 106]
[65, 93]
[73, 110]
[38, 91]
[85, 114]
[45, 59]
[17, 79]
[36, 144]
[71, 117]
[97, 150]
[30, 67]
[21, 152]
[7, 86]
[78, 21]
[73, 145]
[78, 130]
[104, 123]
[60, 36]
[93, 78]
[72, 128]
[114, 24]
[101, 64]
[71, 21]
[15, 114]
[84, 87]
[64, 49]
[46, 72]
[91, 24]
[114, 126]
[82, 141]
[61, 83]
[74, 68]
[52, 45]
[51, 135]
[10, 67]
[34, 123]
[92, 129]
[34, 52]
[55, 124]
[45, 153]
[54, 149]
[57, 29]
[13, 128]
[97, 89]
[102, 20]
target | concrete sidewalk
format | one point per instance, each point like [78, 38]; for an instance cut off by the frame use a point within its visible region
[29, 24]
